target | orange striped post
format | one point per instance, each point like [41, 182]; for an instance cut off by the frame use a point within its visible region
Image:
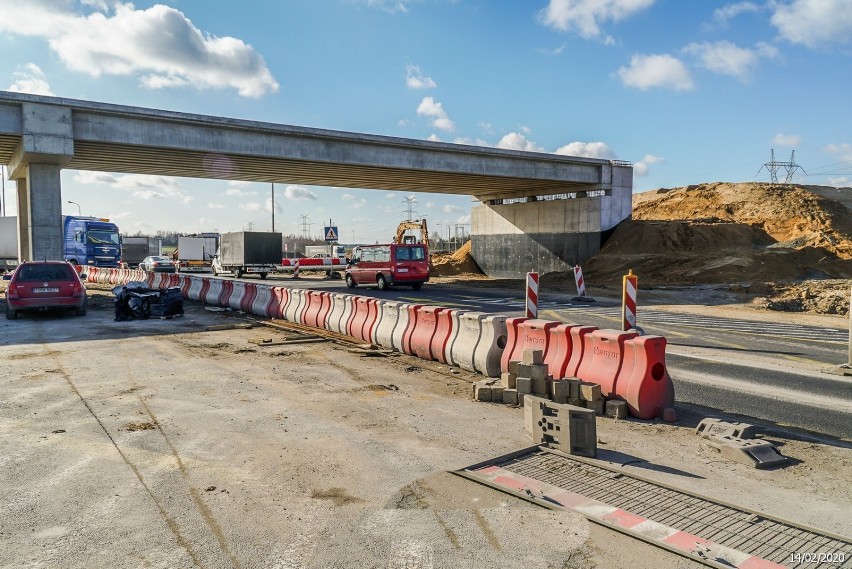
[630, 284]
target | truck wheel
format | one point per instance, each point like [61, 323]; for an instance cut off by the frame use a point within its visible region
[239, 273]
[350, 282]
[262, 276]
[417, 286]
[381, 282]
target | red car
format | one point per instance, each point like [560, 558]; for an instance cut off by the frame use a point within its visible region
[45, 285]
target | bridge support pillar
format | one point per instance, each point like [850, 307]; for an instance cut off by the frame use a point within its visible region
[547, 234]
[47, 144]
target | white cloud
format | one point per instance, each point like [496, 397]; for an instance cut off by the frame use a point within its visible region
[731, 11]
[347, 197]
[790, 140]
[298, 193]
[434, 138]
[465, 219]
[429, 107]
[813, 23]
[844, 151]
[517, 141]
[392, 6]
[250, 206]
[486, 127]
[414, 79]
[641, 169]
[587, 150]
[662, 70]
[842, 182]
[552, 51]
[390, 196]
[359, 203]
[725, 58]
[212, 205]
[278, 207]
[471, 141]
[142, 186]
[586, 16]
[237, 192]
[30, 79]
[452, 209]
[159, 45]
[403, 122]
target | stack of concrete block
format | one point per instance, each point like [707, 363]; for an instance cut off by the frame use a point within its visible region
[530, 376]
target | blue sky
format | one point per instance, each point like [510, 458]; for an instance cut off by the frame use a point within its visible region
[688, 91]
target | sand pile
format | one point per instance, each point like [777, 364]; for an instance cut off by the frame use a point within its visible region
[729, 233]
[459, 263]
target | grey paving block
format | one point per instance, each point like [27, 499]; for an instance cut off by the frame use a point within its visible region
[710, 427]
[590, 391]
[531, 356]
[508, 380]
[510, 396]
[523, 385]
[616, 408]
[571, 429]
[482, 391]
[753, 452]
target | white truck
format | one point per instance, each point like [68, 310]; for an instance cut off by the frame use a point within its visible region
[195, 253]
[8, 242]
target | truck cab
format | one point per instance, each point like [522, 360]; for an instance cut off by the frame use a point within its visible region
[91, 241]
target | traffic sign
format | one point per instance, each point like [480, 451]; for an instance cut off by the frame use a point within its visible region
[331, 233]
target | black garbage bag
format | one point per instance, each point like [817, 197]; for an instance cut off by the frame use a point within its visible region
[135, 301]
[168, 303]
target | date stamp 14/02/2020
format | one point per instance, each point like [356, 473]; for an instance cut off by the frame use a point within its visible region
[819, 557]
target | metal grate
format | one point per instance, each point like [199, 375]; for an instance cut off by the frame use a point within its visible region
[751, 532]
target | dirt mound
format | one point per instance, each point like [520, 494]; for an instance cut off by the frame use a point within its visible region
[459, 263]
[728, 233]
[822, 297]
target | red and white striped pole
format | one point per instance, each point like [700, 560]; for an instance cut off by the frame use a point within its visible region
[578, 279]
[296, 270]
[532, 295]
[628, 300]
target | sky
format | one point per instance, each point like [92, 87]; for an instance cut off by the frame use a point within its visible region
[688, 91]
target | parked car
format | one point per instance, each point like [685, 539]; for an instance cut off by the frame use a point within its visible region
[157, 264]
[386, 265]
[45, 285]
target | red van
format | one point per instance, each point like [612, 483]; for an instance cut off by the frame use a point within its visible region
[386, 265]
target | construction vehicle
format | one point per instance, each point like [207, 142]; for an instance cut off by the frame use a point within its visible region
[412, 225]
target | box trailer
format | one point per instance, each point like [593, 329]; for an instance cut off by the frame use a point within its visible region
[135, 249]
[248, 252]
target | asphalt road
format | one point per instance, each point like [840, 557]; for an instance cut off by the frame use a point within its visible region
[771, 372]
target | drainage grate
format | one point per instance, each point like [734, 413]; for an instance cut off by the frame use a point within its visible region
[678, 520]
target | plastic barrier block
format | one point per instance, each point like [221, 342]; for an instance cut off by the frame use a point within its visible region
[466, 340]
[512, 334]
[390, 312]
[411, 323]
[370, 322]
[205, 284]
[277, 302]
[424, 330]
[400, 327]
[380, 313]
[339, 305]
[294, 305]
[238, 292]
[194, 291]
[360, 315]
[214, 290]
[603, 356]
[313, 304]
[262, 300]
[322, 317]
[455, 318]
[644, 381]
[444, 331]
[248, 298]
[579, 338]
[558, 350]
[492, 344]
[225, 295]
[186, 284]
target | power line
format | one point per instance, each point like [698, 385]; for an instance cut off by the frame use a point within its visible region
[773, 166]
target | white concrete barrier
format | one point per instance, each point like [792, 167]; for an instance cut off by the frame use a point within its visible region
[236, 298]
[486, 357]
[295, 305]
[194, 292]
[339, 302]
[469, 331]
[388, 320]
[213, 291]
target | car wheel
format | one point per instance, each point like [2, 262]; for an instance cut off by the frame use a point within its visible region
[239, 273]
[417, 286]
[11, 314]
[262, 276]
[381, 282]
[82, 310]
[350, 282]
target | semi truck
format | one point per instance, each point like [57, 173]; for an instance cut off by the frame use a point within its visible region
[87, 241]
[248, 252]
[135, 249]
[195, 253]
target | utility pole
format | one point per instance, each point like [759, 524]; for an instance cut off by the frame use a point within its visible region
[273, 207]
[3, 201]
[305, 226]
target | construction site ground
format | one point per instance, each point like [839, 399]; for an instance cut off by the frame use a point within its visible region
[181, 443]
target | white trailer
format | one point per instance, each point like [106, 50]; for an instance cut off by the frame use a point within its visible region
[195, 254]
[8, 242]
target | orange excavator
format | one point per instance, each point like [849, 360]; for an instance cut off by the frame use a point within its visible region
[412, 225]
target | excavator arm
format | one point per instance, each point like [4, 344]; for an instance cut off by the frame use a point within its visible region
[419, 225]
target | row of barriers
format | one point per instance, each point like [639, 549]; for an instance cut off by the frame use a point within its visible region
[626, 366]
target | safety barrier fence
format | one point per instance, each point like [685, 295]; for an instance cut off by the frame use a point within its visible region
[626, 366]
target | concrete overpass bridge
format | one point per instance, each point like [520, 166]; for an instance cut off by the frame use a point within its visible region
[536, 211]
